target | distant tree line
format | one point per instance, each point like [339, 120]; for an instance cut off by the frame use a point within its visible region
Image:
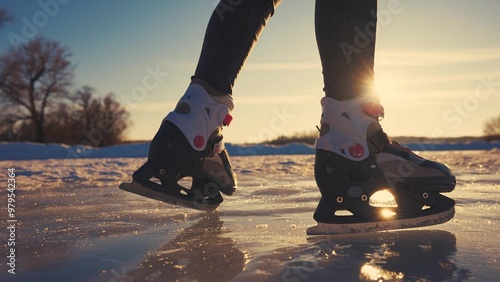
[491, 131]
[38, 104]
[306, 137]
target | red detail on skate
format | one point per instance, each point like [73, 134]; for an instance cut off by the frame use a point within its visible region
[199, 141]
[374, 109]
[218, 148]
[357, 150]
[227, 120]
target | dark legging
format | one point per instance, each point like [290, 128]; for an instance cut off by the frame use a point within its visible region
[345, 34]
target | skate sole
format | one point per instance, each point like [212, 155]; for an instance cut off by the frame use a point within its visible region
[138, 189]
[332, 228]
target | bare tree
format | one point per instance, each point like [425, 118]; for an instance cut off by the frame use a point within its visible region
[84, 97]
[102, 121]
[113, 120]
[87, 120]
[492, 127]
[33, 78]
[4, 17]
[61, 126]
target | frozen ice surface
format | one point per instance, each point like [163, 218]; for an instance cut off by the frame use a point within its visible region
[74, 224]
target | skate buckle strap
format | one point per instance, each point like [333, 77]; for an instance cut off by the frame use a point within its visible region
[227, 120]
[218, 147]
[375, 110]
[378, 140]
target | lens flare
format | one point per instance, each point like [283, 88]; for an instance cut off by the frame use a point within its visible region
[387, 213]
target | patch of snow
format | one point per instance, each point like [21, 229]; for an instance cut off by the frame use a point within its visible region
[36, 151]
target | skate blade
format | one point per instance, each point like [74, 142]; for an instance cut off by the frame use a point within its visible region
[332, 228]
[141, 190]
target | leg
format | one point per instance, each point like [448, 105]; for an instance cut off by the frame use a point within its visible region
[189, 141]
[232, 31]
[345, 33]
[354, 157]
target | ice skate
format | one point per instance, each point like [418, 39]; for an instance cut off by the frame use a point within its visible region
[187, 163]
[355, 159]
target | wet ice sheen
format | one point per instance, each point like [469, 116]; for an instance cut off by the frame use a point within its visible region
[78, 226]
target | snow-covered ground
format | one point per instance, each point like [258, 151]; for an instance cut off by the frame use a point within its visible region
[35, 151]
[74, 224]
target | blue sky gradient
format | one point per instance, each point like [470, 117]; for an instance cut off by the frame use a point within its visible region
[437, 62]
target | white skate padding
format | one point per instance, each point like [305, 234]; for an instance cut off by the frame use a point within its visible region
[331, 228]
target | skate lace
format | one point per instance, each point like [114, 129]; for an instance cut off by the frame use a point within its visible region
[397, 144]
[404, 148]
[376, 110]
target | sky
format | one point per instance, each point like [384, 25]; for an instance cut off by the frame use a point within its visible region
[437, 63]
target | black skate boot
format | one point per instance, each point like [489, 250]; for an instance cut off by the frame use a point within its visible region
[188, 147]
[355, 159]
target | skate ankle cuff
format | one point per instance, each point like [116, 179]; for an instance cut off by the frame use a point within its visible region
[345, 124]
[209, 87]
[198, 115]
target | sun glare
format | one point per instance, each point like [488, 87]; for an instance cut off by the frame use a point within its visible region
[373, 272]
[387, 213]
[383, 199]
[385, 86]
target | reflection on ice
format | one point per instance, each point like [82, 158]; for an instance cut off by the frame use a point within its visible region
[375, 273]
[417, 255]
[200, 246]
[77, 225]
